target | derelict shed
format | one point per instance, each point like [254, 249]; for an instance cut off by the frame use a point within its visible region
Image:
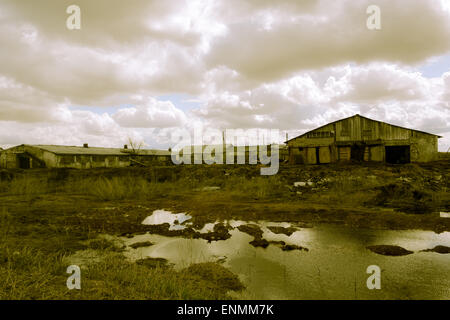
[362, 139]
[50, 156]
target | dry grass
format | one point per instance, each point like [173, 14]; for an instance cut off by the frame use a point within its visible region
[34, 258]
[262, 187]
[140, 188]
[25, 185]
[27, 273]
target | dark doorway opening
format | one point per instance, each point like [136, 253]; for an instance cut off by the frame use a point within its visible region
[24, 161]
[357, 153]
[299, 158]
[397, 154]
[317, 155]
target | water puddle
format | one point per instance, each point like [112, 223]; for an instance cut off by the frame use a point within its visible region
[208, 227]
[334, 267]
[445, 214]
[176, 221]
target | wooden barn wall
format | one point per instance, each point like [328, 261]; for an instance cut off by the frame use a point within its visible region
[8, 160]
[360, 129]
[423, 147]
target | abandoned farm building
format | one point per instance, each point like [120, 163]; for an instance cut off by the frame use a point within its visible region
[362, 139]
[49, 156]
[245, 153]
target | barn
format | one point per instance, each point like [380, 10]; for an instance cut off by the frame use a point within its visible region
[50, 156]
[359, 138]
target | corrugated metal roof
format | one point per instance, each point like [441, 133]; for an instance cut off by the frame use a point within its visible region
[97, 150]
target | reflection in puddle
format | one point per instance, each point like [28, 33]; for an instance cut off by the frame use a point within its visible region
[445, 214]
[175, 220]
[333, 268]
[208, 227]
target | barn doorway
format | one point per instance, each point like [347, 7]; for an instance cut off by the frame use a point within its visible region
[397, 154]
[318, 155]
[24, 161]
[357, 153]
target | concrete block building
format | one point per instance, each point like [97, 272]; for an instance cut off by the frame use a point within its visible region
[49, 156]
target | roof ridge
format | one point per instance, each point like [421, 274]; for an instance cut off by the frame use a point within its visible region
[358, 115]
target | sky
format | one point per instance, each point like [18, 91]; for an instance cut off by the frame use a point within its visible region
[143, 69]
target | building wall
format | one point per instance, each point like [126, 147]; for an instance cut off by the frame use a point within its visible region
[108, 161]
[40, 157]
[91, 161]
[47, 157]
[424, 147]
[10, 158]
[340, 137]
[376, 153]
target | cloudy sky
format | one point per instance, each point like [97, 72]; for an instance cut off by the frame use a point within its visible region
[142, 69]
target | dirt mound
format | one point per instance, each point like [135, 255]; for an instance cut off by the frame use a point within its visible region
[438, 249]
[141, 244]
[152, 263]
[388, 250]
[263, 243]
[404, 197]
[251, 229]
[217, 274]
[282, 230]
[290, 247]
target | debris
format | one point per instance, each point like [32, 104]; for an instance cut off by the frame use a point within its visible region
[300, 184]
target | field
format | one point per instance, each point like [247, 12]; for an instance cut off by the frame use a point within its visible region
[50, 218]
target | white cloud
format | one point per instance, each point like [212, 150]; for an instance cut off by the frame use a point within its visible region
[257, 63]
[151, 113]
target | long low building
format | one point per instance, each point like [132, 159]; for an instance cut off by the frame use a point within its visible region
[362, 139]
[49, 156]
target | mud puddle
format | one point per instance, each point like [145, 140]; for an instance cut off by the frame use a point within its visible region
[324, 262]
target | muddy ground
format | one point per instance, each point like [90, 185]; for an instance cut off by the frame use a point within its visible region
[59, 212]
[370, 196]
